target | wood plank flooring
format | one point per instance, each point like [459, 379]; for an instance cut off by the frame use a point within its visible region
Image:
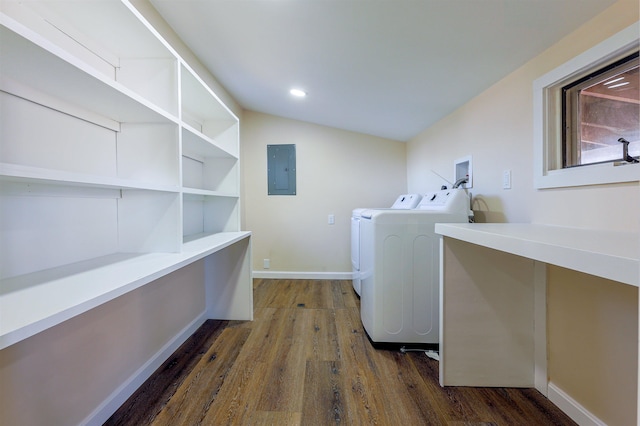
[306, 360]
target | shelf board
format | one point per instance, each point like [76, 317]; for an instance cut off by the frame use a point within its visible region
[90, 25]
[35, 302]
[68, 85]
[207, 193]
[606, 254]
[199, 101]
[197, 144]
[199, 242]
[67, 57]
[25, 174]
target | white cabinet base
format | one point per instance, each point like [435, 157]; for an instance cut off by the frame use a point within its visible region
[486, 318]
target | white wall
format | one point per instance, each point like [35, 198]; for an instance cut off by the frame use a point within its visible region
[337, 171]
[66, 374]
[496, 128]
[592, 341]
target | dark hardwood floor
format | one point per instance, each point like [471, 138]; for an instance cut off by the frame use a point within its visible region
[306, 360]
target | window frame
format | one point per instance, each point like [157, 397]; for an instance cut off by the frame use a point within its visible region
[572, 134]
[548, 118]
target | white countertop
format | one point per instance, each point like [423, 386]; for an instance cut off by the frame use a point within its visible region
[34, 302]
[607, 254]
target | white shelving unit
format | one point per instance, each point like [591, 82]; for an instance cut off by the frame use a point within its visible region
[210, 169]
[114, 156]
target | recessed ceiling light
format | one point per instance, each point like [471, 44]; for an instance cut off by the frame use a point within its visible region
[298, 93]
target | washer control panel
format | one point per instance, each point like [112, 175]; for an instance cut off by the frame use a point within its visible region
[407, 201]
[446, 199]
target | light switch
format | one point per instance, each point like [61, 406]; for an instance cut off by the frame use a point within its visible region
[332, 219]
[506, 179]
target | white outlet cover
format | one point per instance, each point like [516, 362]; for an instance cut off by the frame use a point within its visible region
[506, 179]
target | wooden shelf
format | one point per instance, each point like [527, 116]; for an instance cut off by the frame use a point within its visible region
[207, 193]
[134, 55]
[111, 146]
[68, 85]
[201, 105]
[607, 254]
[204, 113]
[34, 175]
[204, 214]
[56, 295]
[119, 179]
[197, 144]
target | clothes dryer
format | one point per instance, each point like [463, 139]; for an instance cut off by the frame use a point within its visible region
[403, 202]
[399, 272]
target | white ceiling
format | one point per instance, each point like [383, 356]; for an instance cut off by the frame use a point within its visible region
[388, 68]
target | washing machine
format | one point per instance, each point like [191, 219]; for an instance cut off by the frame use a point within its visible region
[399, 268]
[403, 202]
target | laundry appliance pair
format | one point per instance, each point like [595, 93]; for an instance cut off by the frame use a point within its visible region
[397, 259]
[403, 202]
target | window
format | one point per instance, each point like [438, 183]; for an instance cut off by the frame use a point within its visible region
[581, 109]
[598, 110]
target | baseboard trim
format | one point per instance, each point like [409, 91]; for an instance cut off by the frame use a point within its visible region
[109, 406]
[296, 275]
[572, 408]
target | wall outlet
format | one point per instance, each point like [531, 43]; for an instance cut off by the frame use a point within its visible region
[332, 219]
[266, 263]
[506, 179]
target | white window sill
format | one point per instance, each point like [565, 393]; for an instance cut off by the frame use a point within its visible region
[545, 114]
[596, 174]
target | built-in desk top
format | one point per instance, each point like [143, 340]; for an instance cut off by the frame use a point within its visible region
[35, 302]
[607, 254]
